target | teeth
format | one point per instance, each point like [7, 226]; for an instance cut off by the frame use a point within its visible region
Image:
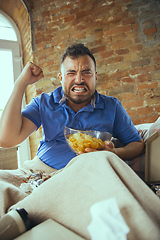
[79, 90]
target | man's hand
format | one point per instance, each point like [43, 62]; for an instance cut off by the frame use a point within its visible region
[31, 74]
[109, 146]
[128, 152]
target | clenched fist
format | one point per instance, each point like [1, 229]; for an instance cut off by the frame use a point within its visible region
[31, 74]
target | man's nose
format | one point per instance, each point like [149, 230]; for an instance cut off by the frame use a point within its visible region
[79, 78]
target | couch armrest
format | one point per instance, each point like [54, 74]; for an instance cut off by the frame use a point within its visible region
[8, 158]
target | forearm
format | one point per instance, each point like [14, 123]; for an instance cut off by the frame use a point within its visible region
[127, 152]
[130, 151]
[13, 127]
[11, 119]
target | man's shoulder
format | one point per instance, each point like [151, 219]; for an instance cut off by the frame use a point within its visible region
[107, 98]
[55, 96]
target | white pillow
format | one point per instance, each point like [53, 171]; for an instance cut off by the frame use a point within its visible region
[147, 129]
[143, 126]
[155, 127]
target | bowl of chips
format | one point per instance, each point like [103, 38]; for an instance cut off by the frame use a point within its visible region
[79, 140]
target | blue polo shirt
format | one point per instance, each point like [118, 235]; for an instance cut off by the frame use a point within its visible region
[107, 114]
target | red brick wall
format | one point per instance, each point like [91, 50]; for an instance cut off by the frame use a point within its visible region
[124, 36]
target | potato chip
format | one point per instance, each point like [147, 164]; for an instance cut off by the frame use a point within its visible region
[80, 141]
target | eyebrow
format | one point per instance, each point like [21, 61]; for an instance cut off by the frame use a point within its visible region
[71, 70]
[87, 69]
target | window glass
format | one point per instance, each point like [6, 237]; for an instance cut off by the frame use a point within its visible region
[10, 68]
[6, 30]
[6, 73]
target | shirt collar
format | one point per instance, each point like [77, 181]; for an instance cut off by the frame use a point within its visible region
[63, 99]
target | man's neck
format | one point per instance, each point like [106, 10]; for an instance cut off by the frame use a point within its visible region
[76, 107]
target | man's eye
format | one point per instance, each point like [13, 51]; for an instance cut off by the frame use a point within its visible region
[86, 72]
[70, 73]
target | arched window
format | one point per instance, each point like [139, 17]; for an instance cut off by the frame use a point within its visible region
[7, 32]
[10, 68]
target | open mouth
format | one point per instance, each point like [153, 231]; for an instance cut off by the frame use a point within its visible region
[79, 89]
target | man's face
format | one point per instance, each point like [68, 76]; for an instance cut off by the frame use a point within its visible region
[78, 78]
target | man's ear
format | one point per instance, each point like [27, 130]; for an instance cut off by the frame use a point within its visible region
[60, 76]
[96, 76]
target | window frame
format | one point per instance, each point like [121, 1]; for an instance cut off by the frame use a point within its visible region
[16, 48]
[16, 55]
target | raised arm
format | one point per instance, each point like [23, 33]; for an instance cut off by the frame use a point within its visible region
[14, 128]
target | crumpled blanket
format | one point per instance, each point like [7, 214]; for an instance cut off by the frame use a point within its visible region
[68, 194]
[33, 181]
[18, 184]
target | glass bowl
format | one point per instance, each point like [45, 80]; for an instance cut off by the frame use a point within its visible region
[78, 140]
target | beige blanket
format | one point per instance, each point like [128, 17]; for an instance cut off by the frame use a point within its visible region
[68, 195]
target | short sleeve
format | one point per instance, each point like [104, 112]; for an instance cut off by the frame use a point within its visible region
[124, 129]
[32, 112]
